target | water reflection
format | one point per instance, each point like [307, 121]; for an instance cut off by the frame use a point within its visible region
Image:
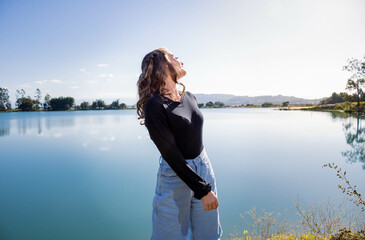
[26, 124]
[62, 122]
[33, 125]
[355, 138]
[339, 115]
[4, 129]
[43, 124]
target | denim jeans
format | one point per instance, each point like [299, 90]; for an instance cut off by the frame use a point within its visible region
[177, 214]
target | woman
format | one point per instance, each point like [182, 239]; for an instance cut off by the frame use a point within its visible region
[185, 202]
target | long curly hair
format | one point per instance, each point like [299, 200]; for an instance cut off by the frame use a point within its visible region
[152, 79]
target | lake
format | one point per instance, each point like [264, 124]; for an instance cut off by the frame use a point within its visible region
[91, 174]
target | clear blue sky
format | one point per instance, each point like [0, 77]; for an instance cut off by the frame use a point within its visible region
[93, 49]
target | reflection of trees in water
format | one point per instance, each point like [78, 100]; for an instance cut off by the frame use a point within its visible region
[4, 131]
[4, 127]
[63, 123]
[342, 115]
[355, 138]
[24, 125]
[339, 115]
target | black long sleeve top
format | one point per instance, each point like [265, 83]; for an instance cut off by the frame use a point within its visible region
[176, 128]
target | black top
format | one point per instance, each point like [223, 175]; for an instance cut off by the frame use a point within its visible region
[177, 130]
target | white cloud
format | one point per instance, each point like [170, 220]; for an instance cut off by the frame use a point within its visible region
[74, 87]
[102, 65]
[46, 81]
[109, 75]
[82, 70]
[92, 81]
[109, 95]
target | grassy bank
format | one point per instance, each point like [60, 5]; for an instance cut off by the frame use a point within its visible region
[346, 107]
[325, 220]
[319, 221]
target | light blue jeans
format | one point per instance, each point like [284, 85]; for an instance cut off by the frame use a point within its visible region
[177, 214]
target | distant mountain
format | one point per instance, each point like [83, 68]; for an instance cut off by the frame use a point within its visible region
[227, 99]
[230, 99]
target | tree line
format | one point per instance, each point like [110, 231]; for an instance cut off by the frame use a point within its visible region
[27, 103]
[355, 83]
[342, 97]
[24, 103]
[210, 104]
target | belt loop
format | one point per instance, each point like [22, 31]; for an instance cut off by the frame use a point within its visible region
[197, 164]
[196, 167]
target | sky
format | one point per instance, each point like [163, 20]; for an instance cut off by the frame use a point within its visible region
[93, 49]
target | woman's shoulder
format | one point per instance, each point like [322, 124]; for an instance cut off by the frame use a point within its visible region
[157, 101]
[190, 94]
[153, 102]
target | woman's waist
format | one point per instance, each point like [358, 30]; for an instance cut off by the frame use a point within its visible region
[190, 150]
[202, 156]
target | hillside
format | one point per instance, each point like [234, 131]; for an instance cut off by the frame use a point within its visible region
[230, 99]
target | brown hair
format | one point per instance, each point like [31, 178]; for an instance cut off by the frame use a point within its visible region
[152, 79]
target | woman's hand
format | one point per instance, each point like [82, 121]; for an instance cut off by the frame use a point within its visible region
[210, 201]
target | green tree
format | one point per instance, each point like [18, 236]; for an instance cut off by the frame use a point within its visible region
[37, 98]
[200, 105]
[85, 105]
[98, 104]
[123, 106]
[47, 102]
[267, 104]
[357, 79]
[26, 104]
[114, 104]
[19, 95]
[285, 104]
[62, 103]
[4, 99]
[346, 97]
[209, 104]
[336, 98]
[339, 98]
[219, 104]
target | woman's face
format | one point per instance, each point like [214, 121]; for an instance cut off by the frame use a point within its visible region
[177, 65]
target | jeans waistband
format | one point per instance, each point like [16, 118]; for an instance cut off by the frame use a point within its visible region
[201, 156]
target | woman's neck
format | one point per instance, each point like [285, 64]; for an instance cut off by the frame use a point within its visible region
[171, 90]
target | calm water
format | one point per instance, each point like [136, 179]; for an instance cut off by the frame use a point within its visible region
[91, 174]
